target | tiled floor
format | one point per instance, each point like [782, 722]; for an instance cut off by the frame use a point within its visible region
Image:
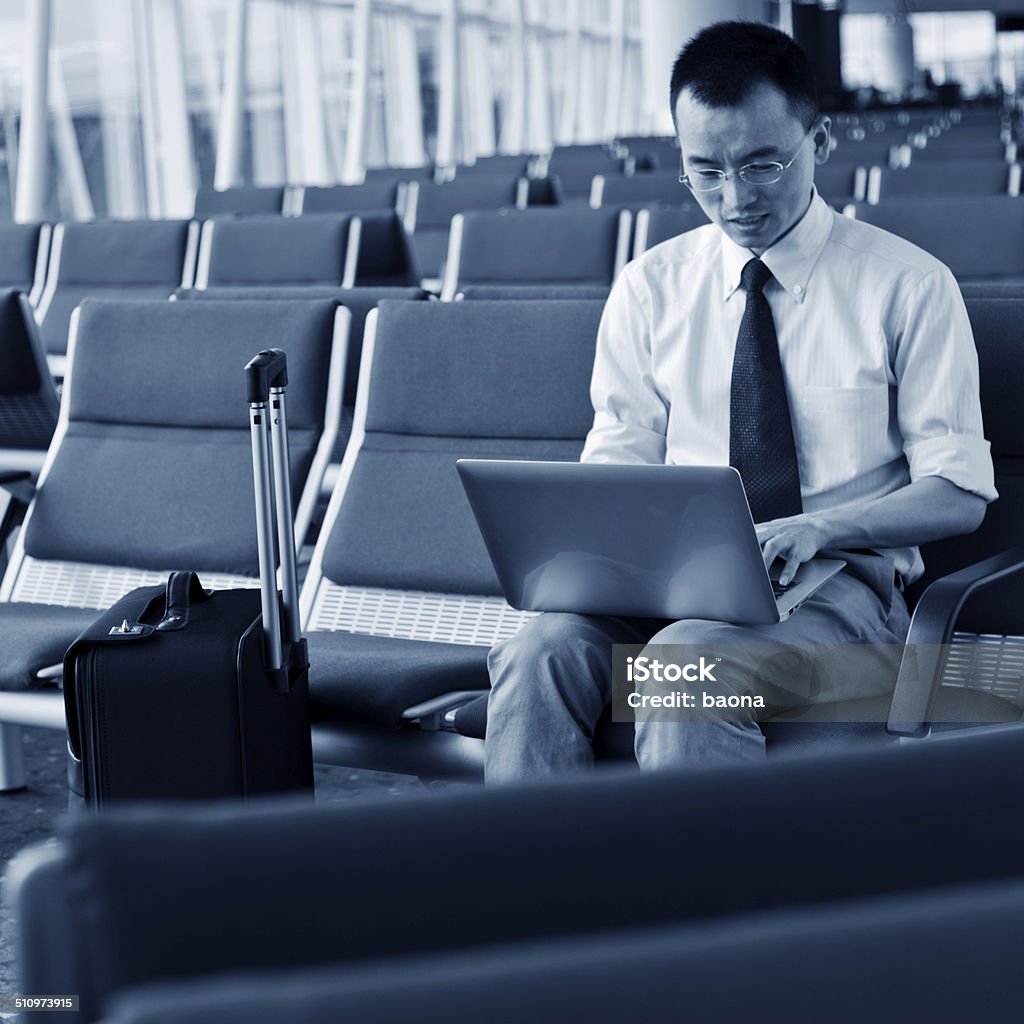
[33, 814]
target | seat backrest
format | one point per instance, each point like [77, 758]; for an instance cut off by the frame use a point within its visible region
[358, 301]
[660, 223]
[549, 246]
[997, 325]
[23, 254]
[385, 255]
[840, 180]
[575, 171]
[492, 166]
[316, 249]
[120, 253]
[942, 178]
[977, 237]
[28, 399]
[399, 174]
[651, 153]
[441, 381]
[952, 147]
[150, 467]
[371, 195]
[638, 189]
[432, 205]
[533, 291]
[114, 259]
[240, 199]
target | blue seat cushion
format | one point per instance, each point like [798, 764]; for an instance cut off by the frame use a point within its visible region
[373, 679]
[33, 636]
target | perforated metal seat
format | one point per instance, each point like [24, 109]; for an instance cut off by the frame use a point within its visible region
[400, 562]
[150, 467]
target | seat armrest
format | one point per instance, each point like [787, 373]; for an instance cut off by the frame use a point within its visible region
[433, 714]
[16, 492]
[18, 484]
[931, 629]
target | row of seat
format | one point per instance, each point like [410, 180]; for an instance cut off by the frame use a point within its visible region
[400, 601]
[150, 259]
[858, 888]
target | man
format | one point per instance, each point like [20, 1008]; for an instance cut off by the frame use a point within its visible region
[830, 362]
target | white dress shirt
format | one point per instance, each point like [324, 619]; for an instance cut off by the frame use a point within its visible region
[877, 351]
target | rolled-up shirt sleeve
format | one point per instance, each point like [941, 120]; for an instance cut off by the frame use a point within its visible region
[630, 414]
[939, 407]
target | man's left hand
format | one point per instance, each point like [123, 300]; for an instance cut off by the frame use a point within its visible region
[795, 540]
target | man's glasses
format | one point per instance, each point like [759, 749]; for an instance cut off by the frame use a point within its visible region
[766, 172]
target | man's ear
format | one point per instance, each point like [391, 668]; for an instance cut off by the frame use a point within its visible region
[822, 138]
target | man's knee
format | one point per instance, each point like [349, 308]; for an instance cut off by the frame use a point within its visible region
[560, 636]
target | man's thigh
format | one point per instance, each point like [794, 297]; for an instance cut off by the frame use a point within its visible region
[844, 643]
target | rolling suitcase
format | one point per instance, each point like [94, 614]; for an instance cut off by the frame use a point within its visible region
[179, 692]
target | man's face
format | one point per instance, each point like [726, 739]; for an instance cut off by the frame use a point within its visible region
[761, 129]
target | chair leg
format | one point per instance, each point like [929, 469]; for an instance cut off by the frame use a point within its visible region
[12, 758]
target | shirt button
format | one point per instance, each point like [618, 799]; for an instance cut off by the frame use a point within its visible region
[797, 289]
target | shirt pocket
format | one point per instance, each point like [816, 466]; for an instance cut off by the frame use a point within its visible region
[842, 433]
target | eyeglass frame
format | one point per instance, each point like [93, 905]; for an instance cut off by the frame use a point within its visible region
[724, 176]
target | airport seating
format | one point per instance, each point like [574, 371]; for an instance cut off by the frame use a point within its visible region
[400, 602]
[556, 246]
[539, 192]
[659, 223]
[638, 190]
[840, 182]
[533, 291]
[376, 194]
[429, 209]
[572, 174]
[385, 257]
[142, 259]
[980, 238]
[359, 302]
[240, 199]
[883, 886]
[150, 470]
[24, 251]
[979, 681]
[28, 399]
[951, 149]
[502, 165]
[650, 152]
[357, 705]
[316, 249]
[962, 179]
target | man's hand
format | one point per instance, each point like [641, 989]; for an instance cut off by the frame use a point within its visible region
[796, 539]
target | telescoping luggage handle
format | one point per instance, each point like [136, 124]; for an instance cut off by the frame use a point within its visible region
[266, 377]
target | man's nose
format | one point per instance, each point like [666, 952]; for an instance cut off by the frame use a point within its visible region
[737, 194]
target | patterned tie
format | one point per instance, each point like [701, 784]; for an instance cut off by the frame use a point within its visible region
[761, 442]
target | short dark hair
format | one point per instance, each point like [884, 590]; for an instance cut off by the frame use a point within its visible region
[725, 62]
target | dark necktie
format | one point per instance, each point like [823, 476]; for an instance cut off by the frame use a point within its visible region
[761, 442]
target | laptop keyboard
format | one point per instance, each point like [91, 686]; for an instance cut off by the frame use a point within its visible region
[778, 589]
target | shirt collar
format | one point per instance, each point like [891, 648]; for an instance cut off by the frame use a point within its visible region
[792, 259]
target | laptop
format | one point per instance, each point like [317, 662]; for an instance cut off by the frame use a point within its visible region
[669, 542]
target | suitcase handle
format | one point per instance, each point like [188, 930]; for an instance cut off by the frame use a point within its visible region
[183, 588]
[267, 369]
